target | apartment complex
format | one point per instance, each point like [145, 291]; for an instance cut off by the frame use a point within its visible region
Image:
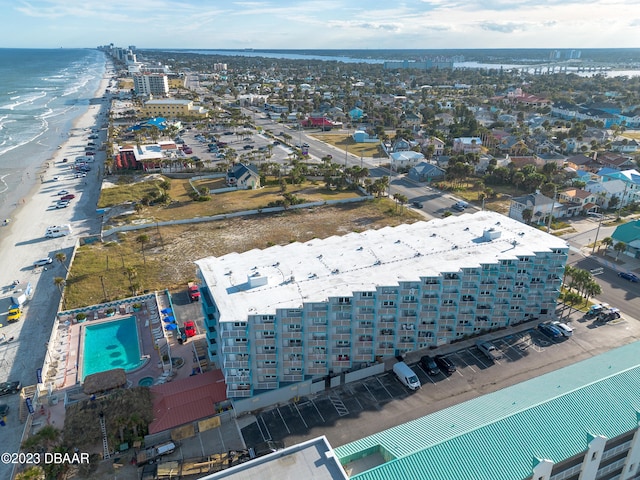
[307, 310]
[151, 84]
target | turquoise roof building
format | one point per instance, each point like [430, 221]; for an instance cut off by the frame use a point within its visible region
[587, 413]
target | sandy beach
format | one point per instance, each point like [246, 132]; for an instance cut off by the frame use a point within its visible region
[23, 242]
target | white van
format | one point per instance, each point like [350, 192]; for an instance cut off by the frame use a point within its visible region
[57, 231]
[407, 376]
[566, 330]
[165, 448]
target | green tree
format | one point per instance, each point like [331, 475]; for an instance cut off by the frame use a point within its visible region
[607, 242]
[619, 247]
[62, 258]
[142, 239]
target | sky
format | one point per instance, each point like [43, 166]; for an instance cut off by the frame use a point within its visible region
[321, 24]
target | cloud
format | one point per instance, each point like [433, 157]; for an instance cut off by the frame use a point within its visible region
[390, 27]
[508, 27]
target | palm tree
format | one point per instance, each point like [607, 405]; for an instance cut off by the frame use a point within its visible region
[132, 273]
[591, 289]
[607, 242]
[619, 247]
[142, 239]
[59, 282]
[62, 258]
[570, 299]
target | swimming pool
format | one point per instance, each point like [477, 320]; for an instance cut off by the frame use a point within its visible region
[110, 345]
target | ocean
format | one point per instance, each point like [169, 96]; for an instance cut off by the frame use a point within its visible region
[41, 94]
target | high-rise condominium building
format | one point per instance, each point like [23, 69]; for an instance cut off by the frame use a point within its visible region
[290, 313]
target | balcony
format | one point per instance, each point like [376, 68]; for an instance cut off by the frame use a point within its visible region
[341, 322]
[266, 385]
[363, 357]
[238, 393]
[317, 370]
[267, 371]
[265, 356]
[390, 325]
[385, 352]
[365, 316]
[291, 335]
[341, 364]
[387, 311]
[286, 350]
[316, 328]
[235, 349]
[316, 343]
[293, 378]
[261, 342]
[234, 334]
[239, 364]
[364, 331]
[364, 303]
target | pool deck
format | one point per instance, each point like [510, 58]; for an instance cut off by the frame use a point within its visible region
[65, 356]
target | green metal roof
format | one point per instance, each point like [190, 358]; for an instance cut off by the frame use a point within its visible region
[627, 232]
[498, 436]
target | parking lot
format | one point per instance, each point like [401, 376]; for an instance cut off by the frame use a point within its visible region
[368, 406]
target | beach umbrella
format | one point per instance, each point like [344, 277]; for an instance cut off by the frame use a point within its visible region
[170, 319]
[171, 326]
[165, 310]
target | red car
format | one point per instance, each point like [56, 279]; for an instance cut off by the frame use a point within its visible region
[190, 328]
[70, 196]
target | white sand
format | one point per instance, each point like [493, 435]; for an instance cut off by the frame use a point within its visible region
[23, 242]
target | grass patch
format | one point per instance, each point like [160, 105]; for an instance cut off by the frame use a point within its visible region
[129, 189]
[171, 251]
[182, 205]
[341, 141]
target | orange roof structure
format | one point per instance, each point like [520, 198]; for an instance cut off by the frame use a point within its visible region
[186, 400]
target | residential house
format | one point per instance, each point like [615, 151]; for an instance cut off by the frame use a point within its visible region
[401, 145]
[243, 176]
[605, 191]
[356, 114]
[520, 162]
[467, 145]
[360, 136]
[582, 162]
[426, 172]
[404, 160]
[625, 146]
[583, 200]
[412, 120]
[438, 145]
[615, 160]
[539, 205]
[631, 179]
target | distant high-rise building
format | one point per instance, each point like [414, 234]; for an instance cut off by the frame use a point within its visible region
[149, 84]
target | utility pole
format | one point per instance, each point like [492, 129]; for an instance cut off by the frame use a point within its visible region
[595, 242]
[553, 203]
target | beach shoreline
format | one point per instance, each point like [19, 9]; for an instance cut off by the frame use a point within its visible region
[31, 209]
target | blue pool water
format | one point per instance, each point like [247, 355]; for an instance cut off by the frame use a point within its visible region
[111, 345]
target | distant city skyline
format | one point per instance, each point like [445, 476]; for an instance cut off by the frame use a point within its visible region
[321, 24]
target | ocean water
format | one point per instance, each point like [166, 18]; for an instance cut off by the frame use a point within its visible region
[42, 92]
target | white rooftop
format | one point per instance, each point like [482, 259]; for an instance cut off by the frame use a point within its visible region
[260, 281]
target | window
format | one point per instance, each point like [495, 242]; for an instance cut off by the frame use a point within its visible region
[320, 350]
[295, 328]
[241, 340]
[594, 455]
[268, 348]
[295, 342]
[268, 334]
[447, 302]
[269, 362]
[320, 321]
[388, 303]
[238, 325]
[367, 294]
[343, 343]
[344, 300]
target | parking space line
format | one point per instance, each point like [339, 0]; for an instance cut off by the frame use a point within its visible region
[385, 388]
[465, 363]
[265, 427]
[426, 374]
[479, 359]
[300, 415]
[355, 397]
[316, 407]
[372, 395]
[282, 418]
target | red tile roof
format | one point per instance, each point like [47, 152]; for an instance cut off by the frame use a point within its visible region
[183, 401]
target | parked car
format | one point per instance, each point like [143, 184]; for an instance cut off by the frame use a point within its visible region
[248, 147]
[42, 262]
[549, 330]
[7, 388]
[428, 364]
[489, 350]
[69, 196]
[62, 192]
[4, 409]
[565, 329]
[460, 206]
[417, 204]
[629, 276]
[63, 204]
[190, 328]
[14, 313]
[89, 153]
[446, 365]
